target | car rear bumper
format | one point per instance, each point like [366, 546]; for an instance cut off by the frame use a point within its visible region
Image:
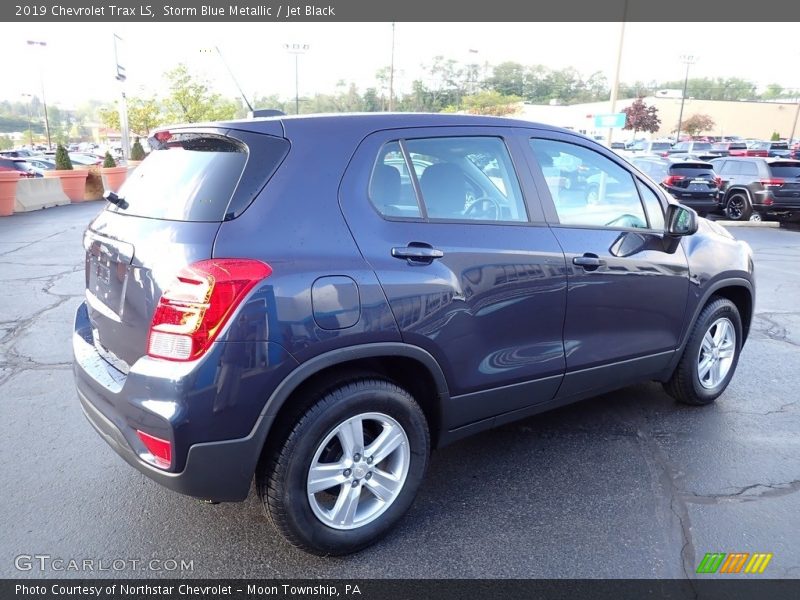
[219, 471]
[179, 402]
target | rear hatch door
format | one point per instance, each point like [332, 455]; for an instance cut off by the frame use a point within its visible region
[693, 179]
[169, 211]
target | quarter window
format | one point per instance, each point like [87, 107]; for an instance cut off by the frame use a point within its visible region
[587, 188]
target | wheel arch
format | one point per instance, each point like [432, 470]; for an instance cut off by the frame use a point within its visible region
[738, 290]
[409, 366]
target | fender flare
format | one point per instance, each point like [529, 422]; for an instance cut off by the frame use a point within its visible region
[714, 287]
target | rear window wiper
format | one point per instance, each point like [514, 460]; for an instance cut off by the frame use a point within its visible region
[115, 199]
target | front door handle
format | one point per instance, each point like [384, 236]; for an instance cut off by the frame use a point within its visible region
[417, 253]
[589, 262]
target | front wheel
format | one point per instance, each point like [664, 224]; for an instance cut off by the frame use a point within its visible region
[710, 356]
[349, 469]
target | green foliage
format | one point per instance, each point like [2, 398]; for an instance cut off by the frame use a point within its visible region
[775, 137]
[191, 101]
[641, 117]
[108, 161]
[63, 162]
[491, 102]
[137, 152]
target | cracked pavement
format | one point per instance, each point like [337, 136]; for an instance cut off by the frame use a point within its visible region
[628, 484]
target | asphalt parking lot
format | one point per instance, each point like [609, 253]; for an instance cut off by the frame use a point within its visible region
[628, 484]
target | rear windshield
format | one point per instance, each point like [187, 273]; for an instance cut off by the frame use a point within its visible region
[779, 146]
[785, 170]
[690, 169]
[660, 146]
[194, 177]
[701, 146]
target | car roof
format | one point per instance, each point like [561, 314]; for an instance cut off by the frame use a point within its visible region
[366, 123]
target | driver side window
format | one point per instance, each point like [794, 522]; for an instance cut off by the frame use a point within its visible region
[587, 188]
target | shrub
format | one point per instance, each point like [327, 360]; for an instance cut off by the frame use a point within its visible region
[108, 161]
[137, 152]
[63, 163]
[775, 137]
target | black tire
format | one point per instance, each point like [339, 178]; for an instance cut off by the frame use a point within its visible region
[685, 385]
[282, 478]
[738, 207]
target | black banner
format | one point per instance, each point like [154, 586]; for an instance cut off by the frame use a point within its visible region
[460, 589]
[711, 11]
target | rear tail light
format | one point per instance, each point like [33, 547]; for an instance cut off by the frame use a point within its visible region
[769, 201]
[673, 179]
[718, 181]
[193, 310]
[160, 449]
[772, 182]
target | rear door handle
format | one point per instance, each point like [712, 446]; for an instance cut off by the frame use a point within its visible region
[589, 262]
[417, 253]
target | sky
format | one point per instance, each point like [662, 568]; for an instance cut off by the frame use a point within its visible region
[78, 61]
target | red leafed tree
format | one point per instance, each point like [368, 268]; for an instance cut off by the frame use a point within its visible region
[641, 117]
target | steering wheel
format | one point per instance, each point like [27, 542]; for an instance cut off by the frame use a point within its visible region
[626, 220]
[479, 208]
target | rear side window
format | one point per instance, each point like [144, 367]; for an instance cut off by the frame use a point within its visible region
[749, 169]
[197, 176]
[657, 171]
[458, 179]
[785, 170]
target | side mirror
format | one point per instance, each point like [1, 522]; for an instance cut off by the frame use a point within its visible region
[681, 220]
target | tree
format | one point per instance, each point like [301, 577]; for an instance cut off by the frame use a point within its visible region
[697, 124]
[775, 137]
[641, 117]
[144, 114]
[191, 100]
[491, 102]
[63, 162]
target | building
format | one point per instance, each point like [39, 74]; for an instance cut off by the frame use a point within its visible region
[746, 119]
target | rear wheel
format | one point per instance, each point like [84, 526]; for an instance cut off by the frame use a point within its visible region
[738, 207]
[349, 469]
[711, 355]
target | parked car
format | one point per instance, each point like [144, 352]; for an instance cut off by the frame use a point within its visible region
[18, 153]
[660, 148]
[16, 164]
[243, 319]
[773, 149]
[38, 165]
[691, 182]
[795, 151]
[690, 148]
[755, 188]
[728, 149]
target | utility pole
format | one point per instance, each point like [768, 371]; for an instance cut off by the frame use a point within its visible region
[391, 75]
[41, 80]
[615, 85]
[688, 60]
[122, 76]
[297, 50]
[794, 125]
[30, 125]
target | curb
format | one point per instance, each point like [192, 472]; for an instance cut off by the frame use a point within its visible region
[774, 224]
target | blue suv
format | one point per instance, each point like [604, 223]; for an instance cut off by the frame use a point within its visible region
[317, 302]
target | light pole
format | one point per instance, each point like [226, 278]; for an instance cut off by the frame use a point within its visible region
[688, 60]
[41, 80]
[615, 85]
[794, 125]
[297, 50]
[391, 75]
[30, 125]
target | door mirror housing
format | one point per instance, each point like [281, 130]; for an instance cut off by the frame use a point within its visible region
[681, 220]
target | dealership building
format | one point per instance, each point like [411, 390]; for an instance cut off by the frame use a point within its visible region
[746, 119]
